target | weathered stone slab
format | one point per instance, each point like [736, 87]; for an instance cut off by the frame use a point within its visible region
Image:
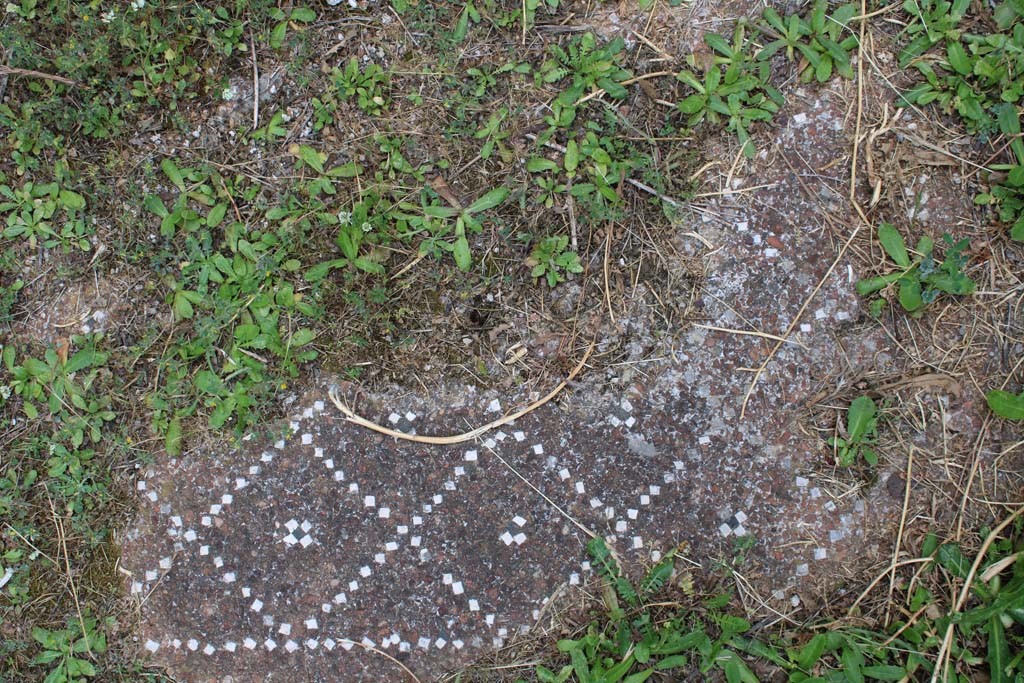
[305, 555]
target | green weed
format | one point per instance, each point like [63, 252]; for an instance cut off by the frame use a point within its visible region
[550, 257]
[67, 651]
[861, 431]
[367, 85]
[920, 280]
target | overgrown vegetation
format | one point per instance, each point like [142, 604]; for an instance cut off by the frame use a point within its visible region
[243, 271]
[640, 634]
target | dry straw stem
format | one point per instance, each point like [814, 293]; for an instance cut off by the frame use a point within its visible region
[14, 71]
[383, 654]
[473, 433]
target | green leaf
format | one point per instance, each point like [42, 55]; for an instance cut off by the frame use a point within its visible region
[81, 667]
[657, 577]
[910, 293]
[719, 45]
[461, 253]
[1017, 231]
[72, 200]
[672, 662]
[302, 337]
[951, 559]
[692, 104]
[615, 90]
[572, 156]
[860, 417]
[488, 201]
[216, 215]
[155, 205]
[303, 14]
[308, 155]
[172, 440]
[278, 34]
[540, 164]
[998, 651]
[852, 660]
[893, 244]
[440, 211]
[208, 382]
[222, 412]
[885, 672]
[1005, 404]
[810, 653]
[368, 266]
[182, 306]
[83, 359]
[320, 270]
[171, 170]
[957, 58]
[639, 676]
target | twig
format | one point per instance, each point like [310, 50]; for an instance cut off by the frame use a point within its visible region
[71, 582]
[752, 333]
[607, 280]
[899, 535]
[14, 71]
[470, 435]
[382, 654]
[255, 86]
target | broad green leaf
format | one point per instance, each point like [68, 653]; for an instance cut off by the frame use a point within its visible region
[72, 200]
[718, 44]
[368, 266]
[998, 651]
[672, 662]
[277, 35]
[172, 172]
[885, 672]
[910, 294]
[216, 215]
[951, 559]
[208, 382]
[639, 676]
[873, 284]
[80, 667]
[308, 156]
[1017, 231]
[155, 205]
[616, 90]
[303, 14]
[860, 417]
[172, 440]
[572, 156]
[440, 211]
[1005, 404]
[222, 412]
[320, 270]
[349, 170]
[957, 57]
[893, 244]
[302, 337]
[852, 660]
[83, 359]
[488, 201]
[182, 306]
[461, 253]
[540, 164]
[38, 369]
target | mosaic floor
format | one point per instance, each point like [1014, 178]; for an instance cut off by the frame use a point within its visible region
[327, 552]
